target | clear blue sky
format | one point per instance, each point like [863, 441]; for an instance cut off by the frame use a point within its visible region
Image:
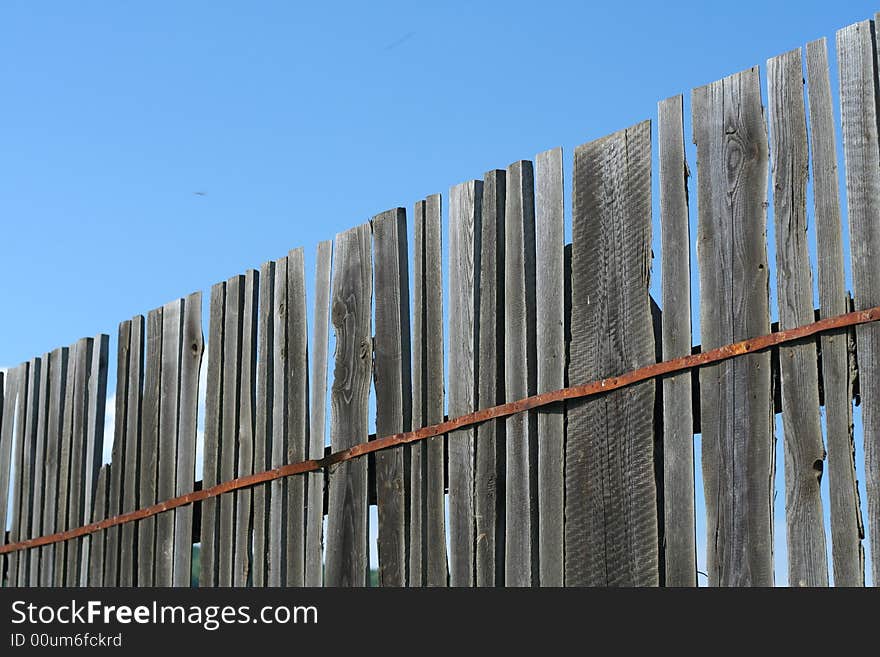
[299, 120]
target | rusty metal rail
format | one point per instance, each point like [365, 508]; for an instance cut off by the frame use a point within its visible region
[654, 371]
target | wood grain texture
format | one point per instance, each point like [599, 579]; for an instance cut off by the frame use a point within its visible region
[57, 386]
[114, 501]
[246, 429]
[611, 501]
[804, 448]
[393, 380]
[95, 420]
[679, 528]
[351, 314]
[18, 456]
[520, 377]
[314, 558]
[735, 396]
[9, 390]
[148, 461]
[848, 556]
[465, 211]
[29, 421]
[39, 469]
[63, 492]
[192, 348]
[169, 400]
[96, 552]
[78, 445]
[297, 416]
[208, 557]
[229, 405]
[280, 382]
[550, 299]
[857, 64]
[130, 466]
[263, 419]
[490, 447]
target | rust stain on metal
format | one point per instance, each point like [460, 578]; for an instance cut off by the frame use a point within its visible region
[654, 371]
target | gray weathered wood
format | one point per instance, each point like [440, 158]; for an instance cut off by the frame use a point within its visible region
[149, 449]
[114, 503]
[230, 401]
[858, 79]
[351, 314]
[96, 551]
[489, 448]
[57, 383]
[550, 289]
[14, 521]
[393, 381]
[76, 515]
[208, 557]
[280, 380]
[735, 396]
[611, 500]
[679, 528]
[465, 211]
[804, 448]
[298, 415]
[65, 447]
[846, 517]
[520, 377]
[317, 415]
[245, 436]
[28, 420]
[95, 419]
[128, 547]
[263, 420]
[39, 469]
[8, 393]
[192, 347]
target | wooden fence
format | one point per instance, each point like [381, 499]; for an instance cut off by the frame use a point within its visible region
[599, 491]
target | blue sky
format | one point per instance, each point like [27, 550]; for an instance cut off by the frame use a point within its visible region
[296, 121]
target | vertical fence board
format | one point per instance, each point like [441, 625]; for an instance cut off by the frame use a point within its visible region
[96, 551]
[58, 380]
[33, 555]
[28, 419]
[128, 553]
[804, 448]
[679, 526]
[550, 299]
[489, 448]
[18, 411]
[846, 516]
[192, 348]
[418, 467]
[317, 416]
[149, 448]
[95, 419]
[114, 502]
[8, 392]
[245, 436]
[298, 414]
[351, 315]
[858, 72]
[78, 444]
[393, 383]
[208, 558]
[465, 208]
[521, 550]
[278, 488]
[611, 501]
[263, 419]
[65, 446]
[735, 396]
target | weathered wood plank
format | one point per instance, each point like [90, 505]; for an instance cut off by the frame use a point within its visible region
[114, 503]
[192, 347]
[857, 64]
[804, 448]
[317, 415]
[846, 517]
[8, 394]
[550, 299]
[735, 396]
[393, 380]
[245, 436]
[64, 460]
[19, 401]
[489, 448]
[76, 514]
[208, 557]
[39, 470]
[280, 380]
[298, 414]
[465, 211]
[611, 501]
[95, 418]
[679, 524]
[149, 449]
[520, 377]
[128, 547]
[263, 419]
[169, 408]
[351, 314]
[96, 551]
[57, 383]
[29, 421]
